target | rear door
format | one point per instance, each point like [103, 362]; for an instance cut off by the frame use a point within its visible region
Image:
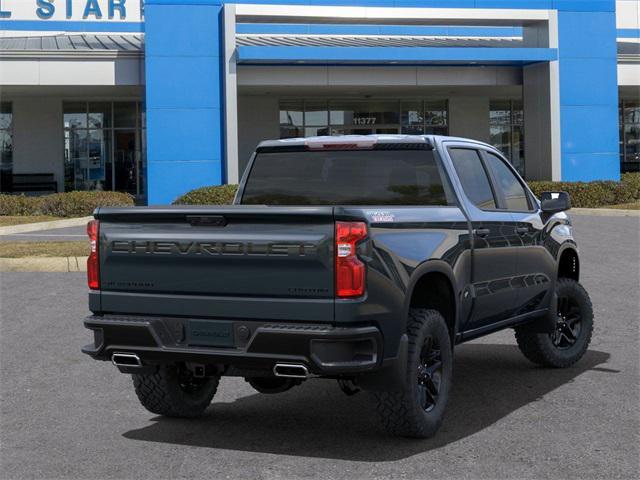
[535, 266]
[495, 242]
[241, 262]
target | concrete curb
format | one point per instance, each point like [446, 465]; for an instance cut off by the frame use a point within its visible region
[605, 212]
[44, 264]
[37, 227]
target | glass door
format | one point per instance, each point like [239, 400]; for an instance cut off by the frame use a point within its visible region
[126, 162]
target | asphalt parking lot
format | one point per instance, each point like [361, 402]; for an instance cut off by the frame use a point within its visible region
[66, 416]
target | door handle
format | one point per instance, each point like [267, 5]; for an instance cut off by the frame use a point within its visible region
[522, 230]
[481, 232]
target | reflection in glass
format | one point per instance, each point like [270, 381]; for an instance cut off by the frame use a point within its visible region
[99, 115]
[412, 114]
[506, 120]
[75, 115]
[630, 136]
[363, 113]
[435, 113]
[124, 114]
[500, 112]
[107, 155]
[6, 116]
[6, 146]
[316, 114]
[300, 118]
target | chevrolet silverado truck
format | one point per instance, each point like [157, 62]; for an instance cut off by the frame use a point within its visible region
[363, 259]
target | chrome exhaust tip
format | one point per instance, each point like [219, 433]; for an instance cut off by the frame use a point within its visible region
[126, 360]
[290, 370]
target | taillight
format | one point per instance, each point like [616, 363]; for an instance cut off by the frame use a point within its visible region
[350, 271]
[93, 262]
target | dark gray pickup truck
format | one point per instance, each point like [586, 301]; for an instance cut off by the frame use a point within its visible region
[364, 259]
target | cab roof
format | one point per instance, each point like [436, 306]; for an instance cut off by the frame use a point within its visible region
[321, 142]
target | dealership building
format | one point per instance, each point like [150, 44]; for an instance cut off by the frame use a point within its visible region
[159, 97]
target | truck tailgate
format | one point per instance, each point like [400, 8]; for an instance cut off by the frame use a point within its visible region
[236, 261]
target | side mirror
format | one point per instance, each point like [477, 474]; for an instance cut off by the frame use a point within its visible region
[554, 202]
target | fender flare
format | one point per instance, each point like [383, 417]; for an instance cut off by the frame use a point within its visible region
[567, 245]
[432, 266]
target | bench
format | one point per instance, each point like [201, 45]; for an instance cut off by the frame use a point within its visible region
[33, 182]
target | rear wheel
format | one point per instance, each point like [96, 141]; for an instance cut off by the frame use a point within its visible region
[572, 335]
[418, 410]
[173, 391]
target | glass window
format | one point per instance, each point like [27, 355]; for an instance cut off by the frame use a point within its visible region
[371, 177]
[6, 116]
[362, 117]
[6, 146]
[124, 114]
[500, 112]
[75, 115]
[512, 190]
[412, 114]
[473, 177]
[362, 113]
[506, 130]
[316, 114]
[99, 115]
[291, 119]
[630, 136]
[435, 113]
[103, 146]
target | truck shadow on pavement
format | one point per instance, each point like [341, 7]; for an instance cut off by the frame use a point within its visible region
[317, 420]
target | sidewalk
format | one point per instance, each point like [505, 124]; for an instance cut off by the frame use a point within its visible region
[44, 264]
[36, 227]
[604, 212]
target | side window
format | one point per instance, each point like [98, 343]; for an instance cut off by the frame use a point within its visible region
[473, 177]
[512, 190]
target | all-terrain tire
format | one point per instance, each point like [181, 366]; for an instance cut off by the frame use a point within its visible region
[402, 412]
[540, 347]
[166, 392]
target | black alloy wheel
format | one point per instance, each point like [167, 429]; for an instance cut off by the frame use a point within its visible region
[429, 374]
[568, 324]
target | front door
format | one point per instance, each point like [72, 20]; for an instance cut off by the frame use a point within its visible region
[495, 241]
[536, 267]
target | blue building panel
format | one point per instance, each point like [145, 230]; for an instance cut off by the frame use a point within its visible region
[199, 37]
[587, 34]
[586, 167]
[172, 179]
[183, 82]
[588, 95]
[588, 89]
[586, 129]
[185, 139]
[184, 134]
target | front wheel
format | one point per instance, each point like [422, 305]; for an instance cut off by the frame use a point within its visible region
[418, 410]
[572, 335]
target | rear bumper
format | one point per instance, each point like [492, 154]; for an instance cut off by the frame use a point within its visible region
[254, 346]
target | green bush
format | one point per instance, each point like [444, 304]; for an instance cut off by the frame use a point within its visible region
[594, 194]
[68, 204]
[218, 195]
[583, 194]
[19, 205]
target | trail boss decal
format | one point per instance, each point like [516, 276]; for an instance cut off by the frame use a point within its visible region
[381, 216]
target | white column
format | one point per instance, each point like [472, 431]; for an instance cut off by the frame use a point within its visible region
[230, 95]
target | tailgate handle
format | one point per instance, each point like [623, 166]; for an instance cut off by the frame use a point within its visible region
[207, 220]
